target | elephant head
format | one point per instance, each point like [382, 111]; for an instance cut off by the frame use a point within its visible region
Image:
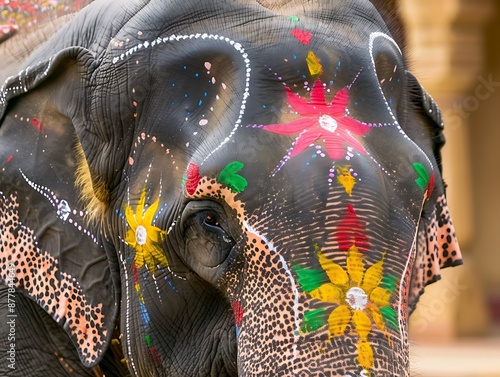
[242, 189]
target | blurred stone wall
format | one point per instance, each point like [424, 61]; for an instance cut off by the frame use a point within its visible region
[453, 48]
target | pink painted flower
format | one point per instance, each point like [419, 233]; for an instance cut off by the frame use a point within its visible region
[324, 121]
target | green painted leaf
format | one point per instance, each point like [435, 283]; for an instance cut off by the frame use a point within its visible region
[148, 340]
[390, 317]
[389, 282]
[421, 183]
[421, 171]
[229, 177]
[310, 279]
[423, 177]
[314, 319]
[293, 18]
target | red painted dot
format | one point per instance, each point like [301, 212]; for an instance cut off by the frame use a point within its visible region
[37, 124]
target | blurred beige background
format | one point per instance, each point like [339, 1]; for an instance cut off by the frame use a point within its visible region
[454, 50]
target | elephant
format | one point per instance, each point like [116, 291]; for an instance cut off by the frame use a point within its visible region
[223, 188]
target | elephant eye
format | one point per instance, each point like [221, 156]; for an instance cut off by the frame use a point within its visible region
[210, 221]
[207, 240]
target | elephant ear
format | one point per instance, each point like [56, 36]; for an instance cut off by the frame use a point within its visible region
[49, 250]
[436, 244]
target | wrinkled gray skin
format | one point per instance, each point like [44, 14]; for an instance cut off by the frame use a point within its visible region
[217, 189]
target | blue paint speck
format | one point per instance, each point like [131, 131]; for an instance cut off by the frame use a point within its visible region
[144, 312]
[120, 214]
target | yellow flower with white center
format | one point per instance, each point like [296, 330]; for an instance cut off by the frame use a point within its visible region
[361, 298]
[143, 236]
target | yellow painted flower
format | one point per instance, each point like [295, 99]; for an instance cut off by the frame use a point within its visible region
[143, 236]
[362, 297]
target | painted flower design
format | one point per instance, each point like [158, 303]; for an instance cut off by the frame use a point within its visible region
[361, 298]
[324, 121]
[143, 236]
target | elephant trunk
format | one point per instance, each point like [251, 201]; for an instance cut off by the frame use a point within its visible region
[331, 318]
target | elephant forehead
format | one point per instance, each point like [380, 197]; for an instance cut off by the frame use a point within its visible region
[249, 18]
[199, 104]
[197, 91]
[269, 47]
